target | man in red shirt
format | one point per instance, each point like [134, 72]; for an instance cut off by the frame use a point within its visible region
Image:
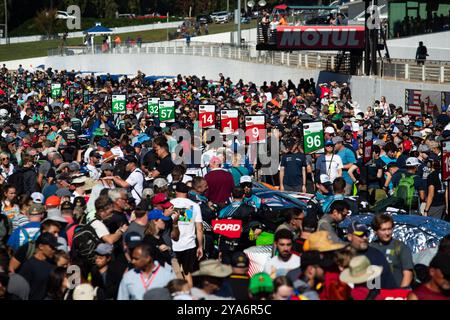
[220, 182]
[438, 288]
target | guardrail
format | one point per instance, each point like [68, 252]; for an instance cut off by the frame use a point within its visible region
[397, 69]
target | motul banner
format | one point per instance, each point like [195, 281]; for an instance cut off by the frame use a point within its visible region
[227, 227]
[320, 37]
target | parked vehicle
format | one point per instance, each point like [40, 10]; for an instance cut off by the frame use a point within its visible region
[64, 15]
[221, 17]
[204, 19]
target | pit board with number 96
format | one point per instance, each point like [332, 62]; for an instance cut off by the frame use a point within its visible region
[313, 136]
[255, 129]
[207, 115]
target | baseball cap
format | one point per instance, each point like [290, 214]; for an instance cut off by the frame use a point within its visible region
[79, 201]
[156, 214]
[132, 239]
[160, 182]
[162, 200]
[55, 215]
[329, 130]
[392, 165]
[103, 143]
[423, 148]
[181, 187]
[337, 140]
[37, 197]
[104, 249]
[74, 166]
[53, 201]
[66, 205]
[47, 238]
[245, 179]
[63, 192]
[412, 162]
[260, 283]
[84, 291]
[329, 143]
[357, 229]
[239, 260]
[35, 209]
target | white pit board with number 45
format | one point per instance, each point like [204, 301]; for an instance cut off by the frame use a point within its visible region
[313, 136]
[166, 111]
[119, 103]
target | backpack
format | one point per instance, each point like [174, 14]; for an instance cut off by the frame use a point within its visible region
[405, 190]
[84, 242]
[31, 242]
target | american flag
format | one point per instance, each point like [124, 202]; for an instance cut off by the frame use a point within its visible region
[413, 102]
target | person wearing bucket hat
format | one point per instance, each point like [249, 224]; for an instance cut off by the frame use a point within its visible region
[211, 275]
[360, 274]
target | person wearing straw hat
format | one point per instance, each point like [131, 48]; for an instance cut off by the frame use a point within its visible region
[362, 275]
[210, 276]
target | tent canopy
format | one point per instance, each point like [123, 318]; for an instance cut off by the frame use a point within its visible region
[98, 29]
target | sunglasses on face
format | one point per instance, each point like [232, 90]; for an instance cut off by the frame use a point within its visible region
[3, 159]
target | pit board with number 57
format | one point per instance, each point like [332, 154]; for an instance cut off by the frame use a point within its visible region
[255, 129]
[313, 136]
[166, 111]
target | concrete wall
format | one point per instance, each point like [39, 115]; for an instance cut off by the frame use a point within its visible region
[365, 89]
[438, 46]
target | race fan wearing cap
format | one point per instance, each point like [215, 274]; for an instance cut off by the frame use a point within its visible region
[358, 236]
[134, 182]
[30, 230]
[187, 250]
[37, 270]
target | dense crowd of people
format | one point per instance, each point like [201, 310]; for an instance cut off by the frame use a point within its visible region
[94, 204]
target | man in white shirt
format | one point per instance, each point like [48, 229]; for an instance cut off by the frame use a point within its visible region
[94, 159]
[191, 228]
[135, 180]
[285, 261]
